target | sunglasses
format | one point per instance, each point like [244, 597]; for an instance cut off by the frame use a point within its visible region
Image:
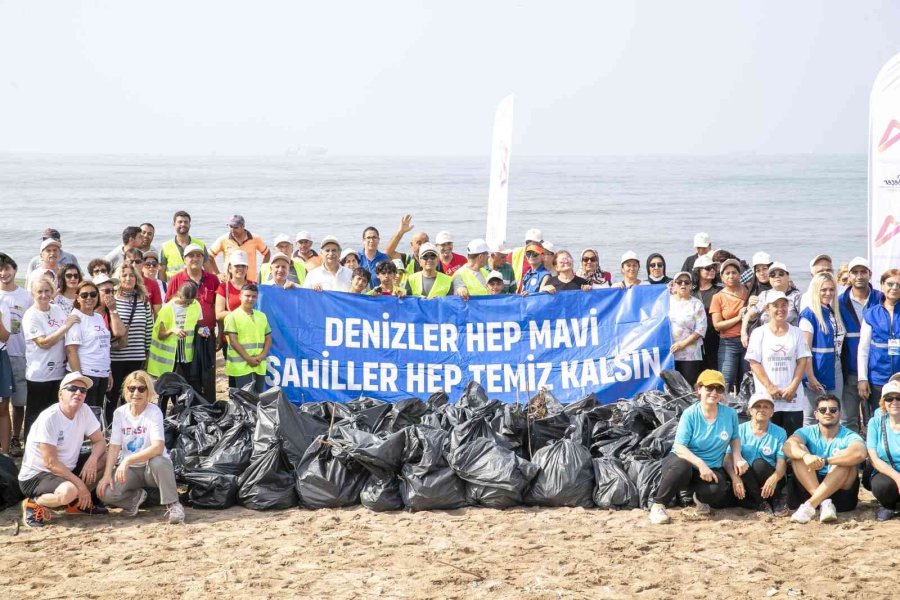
[137, 388]
[106, 291]
[100, 272]
[75, 389]
[828, 410]
[892, 285]
[86, 295]
[151, 263]
[531, 254]
[709, 268]
[591, 259]
[72, 276]
[682, 282]
[430, 257]
[136, 261]
[656, 265]
[889, 399]
[715, 388]
[777, 274]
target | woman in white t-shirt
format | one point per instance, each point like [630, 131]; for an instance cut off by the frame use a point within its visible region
[687, 317]
[45, 326]
[778, 356]
[137, 443]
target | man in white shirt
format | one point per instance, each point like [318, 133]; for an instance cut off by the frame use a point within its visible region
[331, 276]
[65, 258]
[49, 267]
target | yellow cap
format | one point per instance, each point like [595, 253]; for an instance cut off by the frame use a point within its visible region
[711, 377]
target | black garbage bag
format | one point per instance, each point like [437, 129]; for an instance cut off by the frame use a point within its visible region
[405, 413]
[437, 399]
[453, 415]
[614, 442]
[177, 392]
[324, 481]
[210, 489]
[659, 443]
[473, 396]
[587, 403]
[381, 494]
[325, 411]
[613, 488]
[495, 475]
[511, 423]
[231, 454]
[268, 482]
[584, 426]
[364, 402]
[10, 493]
[548, 430]
[566, 476]
[474, 429]
[741, 401]
[426, 480]
[658, 407]
[381, 456]
[646, 474]
[195, 442]
[279, 420]
[677, 387]
[242, 406]
[640, 419]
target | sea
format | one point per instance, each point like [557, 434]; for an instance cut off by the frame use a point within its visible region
[791, 206]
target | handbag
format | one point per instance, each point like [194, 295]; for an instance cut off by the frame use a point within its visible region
[120, 342]
[868, 467]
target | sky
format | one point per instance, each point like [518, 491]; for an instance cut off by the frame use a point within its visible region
[424, 78]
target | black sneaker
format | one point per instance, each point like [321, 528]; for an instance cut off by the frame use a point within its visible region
[780, 507]
[15, 447]
[685, 499]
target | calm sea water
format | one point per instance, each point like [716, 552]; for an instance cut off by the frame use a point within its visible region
[791, 206]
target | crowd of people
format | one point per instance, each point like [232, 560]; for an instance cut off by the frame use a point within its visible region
[144, 310]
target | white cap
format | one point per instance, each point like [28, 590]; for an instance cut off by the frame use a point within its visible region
[104, 278]
[759, 396]
[477, 246]
[50, 242]
[192, 248]
[776, 266]
[630, 255]
[328, 239]
[549, 248]
[427, 247]
[761, 258]
[818, 257]
[398, 263]
[534, 235]
[859, 261]
[891, 387]
[280, 256]
[703, 261]
[701, 240]
[238, 258]
[347, 252]
[281, 238]
[773, 296]
[77, 376]
[303, 235]
[494, 275]
[443, 237]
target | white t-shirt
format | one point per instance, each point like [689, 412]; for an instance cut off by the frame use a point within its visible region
[779, 355]
[13, 306]
[134, 434]
[43, 364]
[92, 337]
[52, 427]
[330, 282]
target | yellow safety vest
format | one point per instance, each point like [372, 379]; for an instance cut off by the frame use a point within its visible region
[299, 269]
[251, 335]
[475, 287]
[174, 259]
[441, 287]
[517, 258]
[162, 351]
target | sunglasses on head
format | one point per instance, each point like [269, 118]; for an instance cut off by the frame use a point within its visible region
[828, 410]
[137, 388]
[75, 389]
[86, 295]
[715, 388]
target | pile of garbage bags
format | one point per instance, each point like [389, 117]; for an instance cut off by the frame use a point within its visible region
[264, 452]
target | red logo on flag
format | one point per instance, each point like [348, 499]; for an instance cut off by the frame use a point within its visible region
[889, 229]
[891, 135]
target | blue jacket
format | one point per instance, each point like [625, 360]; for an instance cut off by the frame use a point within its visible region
[881, 364]
[822, 347]
[852, 325]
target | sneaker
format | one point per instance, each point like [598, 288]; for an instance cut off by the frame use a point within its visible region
[176, 513]
[703, 508]
[658, 514]
[804, 514]
[884, 514]
[766, 508]
[132, 510]
[33, 514]
[685, 499]
[98, 508]
[827, 512]
[780, 507]
[15, 447]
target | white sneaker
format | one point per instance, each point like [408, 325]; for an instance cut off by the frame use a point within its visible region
[658, 514]
[827, 512]
[804, 514]
[132, 511]
[701, 508]
[176, 513]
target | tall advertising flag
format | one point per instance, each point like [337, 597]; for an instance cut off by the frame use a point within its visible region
[884, 169]
[498, 193]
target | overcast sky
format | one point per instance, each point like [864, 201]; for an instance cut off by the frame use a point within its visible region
[424, 78]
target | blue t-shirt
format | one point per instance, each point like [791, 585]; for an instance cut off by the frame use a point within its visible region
[816, 444]
[769, 447]
[369, 265]
[876, 442]
[707, 440]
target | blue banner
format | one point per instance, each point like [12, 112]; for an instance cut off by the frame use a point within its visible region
[337, 346]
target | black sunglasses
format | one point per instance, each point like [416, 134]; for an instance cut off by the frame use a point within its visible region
[830, 410]
[682, 282]
[86, 295]
[656, 265]
[72, 276]
[75, 389]
[715, 388]
[151, 263]
[777, 274]
[137, 388]
[889, 399]
[589, 259]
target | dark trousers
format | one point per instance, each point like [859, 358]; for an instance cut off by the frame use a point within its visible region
[41, 395]
[689, 369]
[711, 347]
[96, 394]
[680, 475]
[790, 421]
[119, 370]
[885, 491]
[754, 479]
[844, 500]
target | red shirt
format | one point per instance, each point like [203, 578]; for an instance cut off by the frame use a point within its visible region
[455, 263]
[231, 294]
[153, 291]
[206, 294]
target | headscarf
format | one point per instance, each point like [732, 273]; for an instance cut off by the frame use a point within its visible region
[665, 278]
[598, 276]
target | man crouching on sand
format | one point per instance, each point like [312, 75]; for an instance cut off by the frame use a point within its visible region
[53, 456]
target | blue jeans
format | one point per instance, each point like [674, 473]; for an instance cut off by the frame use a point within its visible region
[731, 354]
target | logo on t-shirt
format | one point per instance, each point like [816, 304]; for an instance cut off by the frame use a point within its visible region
[766, 450]
[723, 436]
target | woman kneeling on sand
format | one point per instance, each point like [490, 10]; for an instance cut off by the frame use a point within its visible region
[137, 440]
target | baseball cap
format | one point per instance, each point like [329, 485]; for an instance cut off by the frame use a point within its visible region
[281, 239]
[477, 246]
[236, 221]
[51, 233]
[534, 235]
[730, 262]
[891, 387]
[775, 266]
[760, 396]
[427, 248]
[773, 296]
[701, 240]
[534, 248]
[761, 258]
[50, 242]
[104, 278]
[238, 258]
[77, 376]
[818, 257]
[711, 377]
[347, 252]
[151, 254]
[494, 275]
[549, 247]
[280, 256]
[703, 261]
[303, 236]
[630, 255]
[443, 237]
[329, 239]
[859, 261]
[680, 273]
[191, 248]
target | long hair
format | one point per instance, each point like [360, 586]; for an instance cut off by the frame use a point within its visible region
[83, 285]
[63, 282]
[138, 280]
[815, 302]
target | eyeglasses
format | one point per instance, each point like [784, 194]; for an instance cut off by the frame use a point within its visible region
[889, 399]
[429, 257]
[369, 237]
[106, 291]
[715, 388]
[709, 268]
[137, 388]
[892, 284]
[86, 295]
[72, 276]
[151, 263]
[75, 389]
[136, 261]
[777, 274]
[682, 282]
[590, 259]
[829, 410]
[656, 265]
[99, 272]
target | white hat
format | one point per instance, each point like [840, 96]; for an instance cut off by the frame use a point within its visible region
[443, 237]
[192, 248]
[703, 261]
[77, 376]
[759, 396]
[281, 239]
[347, 252]
[891, 387]
[549, 248]
[701, 240]
[630, 255]
[477, 246]
[238, 258]
[775, 266]
[280, 256]
[859, 261]
[494, 275]
[328, 239]
[104, 278]
[680, 273]
[50, 242]
[761, 258]
[303, 235]
[534, 235]
[773, 296]
[818, 257]
[427, 247]
[398, 263]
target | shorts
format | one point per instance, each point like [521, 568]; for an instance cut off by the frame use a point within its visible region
[46, 482]
[7, 380]
[20, 394]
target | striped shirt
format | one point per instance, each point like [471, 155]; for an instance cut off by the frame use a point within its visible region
[138, 331]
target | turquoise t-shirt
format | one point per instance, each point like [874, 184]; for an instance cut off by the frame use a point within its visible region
[876, 442]
[816, 444]
[769, 447]
[707, 440]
